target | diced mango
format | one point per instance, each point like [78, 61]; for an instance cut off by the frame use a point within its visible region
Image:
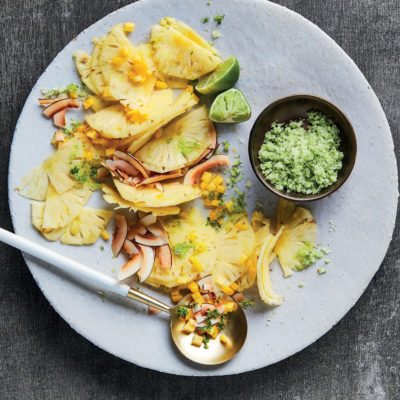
[213, 216]
[206, 177]
[205, 193]
[230, 306]
[87, 155]
[105, 235]
[200, 247]
[214, 331]
[217, 180]
[215, 203]
[161, 85]
[198, 298]
[92, 134]
[88, 102]
[193, 286]
[228, 291]
[176, 295]
[220, 189]
[203, 185]
[197, 340]
[225, 340]
[212, 187]
[129, 27]
[196, 264]
[118, 61]
[229, 205]
[192, 236]
[234, 286]
[189, 327]
[124, 52]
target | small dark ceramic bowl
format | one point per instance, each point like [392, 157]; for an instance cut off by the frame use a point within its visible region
[291, 108]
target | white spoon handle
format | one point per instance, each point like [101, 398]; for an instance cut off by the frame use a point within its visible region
[72, 267]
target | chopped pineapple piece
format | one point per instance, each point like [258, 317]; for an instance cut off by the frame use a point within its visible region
[110, 151]
[193, 287]
[214, 331]
[217, 180]
[105, 235]
[197, 340]
[225, 340]
[129, 27]
[161, 85]
[230, 306]
[206, 177]
[189, 327]
[229, 205]
[228, 291]
[241, 226]
[234, 286]
[196, 264]
[220, 189]
[219, 281]
[88, 102]
[198, 298]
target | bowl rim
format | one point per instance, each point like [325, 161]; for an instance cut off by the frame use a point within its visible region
[269, 185]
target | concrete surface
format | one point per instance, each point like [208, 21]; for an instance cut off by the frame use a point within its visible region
[42, 358]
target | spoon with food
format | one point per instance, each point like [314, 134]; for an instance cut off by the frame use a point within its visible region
[206, 328]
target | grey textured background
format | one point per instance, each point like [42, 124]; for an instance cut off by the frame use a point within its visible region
[42, 358]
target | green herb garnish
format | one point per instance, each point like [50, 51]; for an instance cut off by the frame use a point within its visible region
[182, 248]
[186, 147]
[226, 145]
[182, 311]
[206, 339]
[216, 34]
[205, 19]
[218, 19]
[246, 303]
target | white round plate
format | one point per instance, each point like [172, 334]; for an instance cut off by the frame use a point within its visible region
[280, 53]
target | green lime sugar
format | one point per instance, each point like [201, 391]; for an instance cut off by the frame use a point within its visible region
[302, 156]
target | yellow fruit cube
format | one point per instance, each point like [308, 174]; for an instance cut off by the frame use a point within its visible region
[214, 331]
[230, 306]
[213, 216]
[88, 102]
[92, 134]
[129, 27]
[189, 327]
[124, 52]
[228, 291]
[87, 155]
[212, 187]
[110, 151]
[193, 286]
[229, 205]
[206, 177]
[197, 340]
[105, 235]
[198, 298]
[200, 247]
[203, 185]
[220, 189]
[225, 340]
[234, 286]
[205, 193]
[217, 180]
[192, 236]
[161, 85]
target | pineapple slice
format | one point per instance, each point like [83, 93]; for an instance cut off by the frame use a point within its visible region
[264, 283]
[180, 144]
[112, 197]
[184, 102]
[34, 184]
[61, 209]
[233, 249]
[83, 65]
[300, 229]
[96, 76]
[284, 211]
[100, 104]
[173, 82]
[86, 227]
[182, 53]
[37, 210]
[173, 194]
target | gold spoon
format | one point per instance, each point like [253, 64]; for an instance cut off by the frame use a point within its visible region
[217, 353]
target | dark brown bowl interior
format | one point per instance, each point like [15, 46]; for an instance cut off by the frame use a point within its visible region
[290, 108]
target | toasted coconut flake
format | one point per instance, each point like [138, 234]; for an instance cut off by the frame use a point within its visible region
[46, 102]
[130, 248]
[150, 240]
[124, 168]
[160, 177]
[59, 118]
[59, 105]
[238, 297]
[206, 283]
[147, 220]
[147, 264]
[133, 161]
[157, 231]
[159, 186]
[121, 230]
[164, 256]
[131, 267]
[59, 136]
[136, 230]
[153, 311]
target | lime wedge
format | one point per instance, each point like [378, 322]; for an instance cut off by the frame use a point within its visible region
[221, 79]
[230, 107]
